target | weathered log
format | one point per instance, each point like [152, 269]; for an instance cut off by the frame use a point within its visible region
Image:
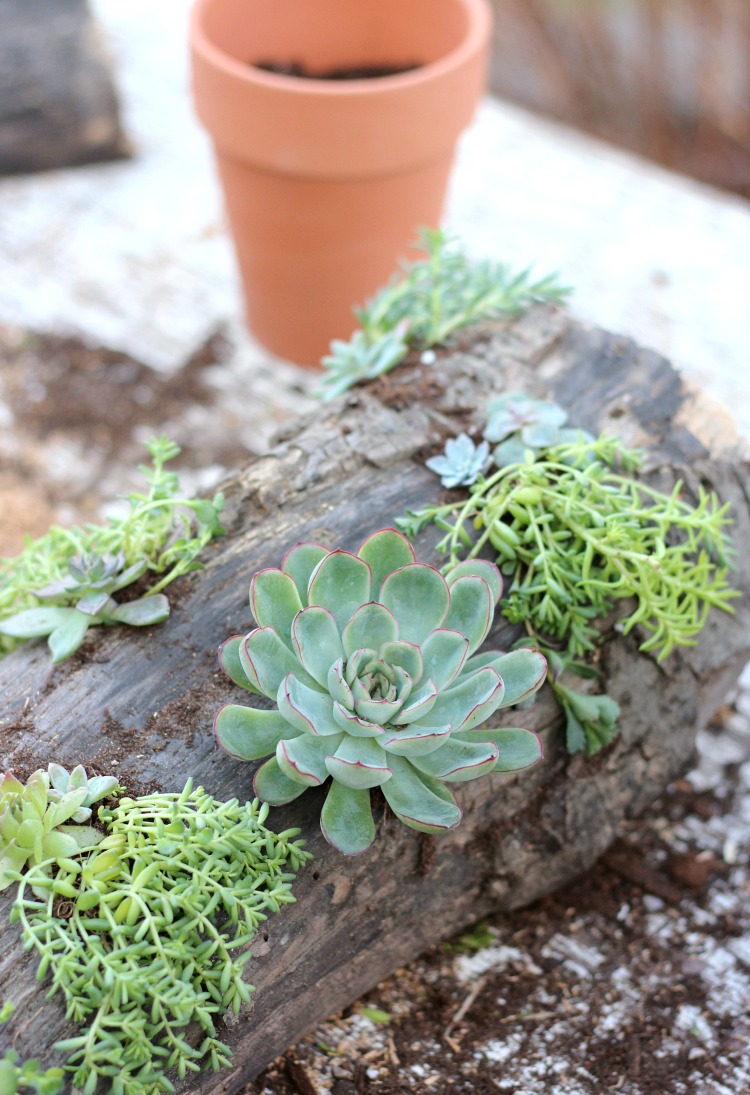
[144, 703]
[58, 104]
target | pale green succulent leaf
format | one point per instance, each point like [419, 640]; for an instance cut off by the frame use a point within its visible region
[523, 672]
[518, 748]
[249, 734]
[12, 858]
[28, 833]
[303, 759]
[458, 761]
[480, 568]
[35, 793]
[99, 787]
[419, 801]
[60, 812]
[338, 689]
[143, 612]
[359, 763]
[58, 777]
[341, 582]
[60, 844]
[300, 562]
[468, 702]
[34, 622]
[270, 661]
[407, 656]
[443, 654]
[76, 780]
[421, 703]
[370, 626]
[471, 609]
[418, 597]
[346, 819]
[66, 638]
[385, 551]
[275, 601]
[231, 662]
[305, 709]
[272, 786]
[375, 711]
[317, 642]
[83, 836]
[352, 724]
[414, 741]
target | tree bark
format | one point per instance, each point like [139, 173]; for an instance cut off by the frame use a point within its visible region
[142, 705]
[58, 105]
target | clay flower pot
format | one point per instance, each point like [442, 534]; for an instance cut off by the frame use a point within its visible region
[326, 181]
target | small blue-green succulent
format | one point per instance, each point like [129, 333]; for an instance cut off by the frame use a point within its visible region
[519, 422]
[370, 659]
[462, 462]
[83, 599]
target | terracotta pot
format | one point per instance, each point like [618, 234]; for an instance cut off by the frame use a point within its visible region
[326, 181]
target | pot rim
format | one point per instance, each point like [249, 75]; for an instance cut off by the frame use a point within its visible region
[478, 28]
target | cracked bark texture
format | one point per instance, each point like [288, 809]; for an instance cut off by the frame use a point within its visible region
[146, 701]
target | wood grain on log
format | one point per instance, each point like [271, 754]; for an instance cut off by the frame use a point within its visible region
[145, 703]
[58, 105]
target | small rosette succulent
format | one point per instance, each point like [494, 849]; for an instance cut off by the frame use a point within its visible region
[33, 817]
[370, 660]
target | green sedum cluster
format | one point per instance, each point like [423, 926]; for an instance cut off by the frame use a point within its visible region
[370, 660]
[146, 936]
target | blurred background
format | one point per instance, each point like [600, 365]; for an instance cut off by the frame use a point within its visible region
[668, 79]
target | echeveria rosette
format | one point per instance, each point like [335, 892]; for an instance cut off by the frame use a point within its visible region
[370, 659]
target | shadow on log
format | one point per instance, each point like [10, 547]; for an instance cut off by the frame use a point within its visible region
[142, 705]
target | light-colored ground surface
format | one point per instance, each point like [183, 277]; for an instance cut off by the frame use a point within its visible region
[134, 254]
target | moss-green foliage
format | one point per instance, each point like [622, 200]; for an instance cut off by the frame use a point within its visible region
[147, 934]
[162, 531]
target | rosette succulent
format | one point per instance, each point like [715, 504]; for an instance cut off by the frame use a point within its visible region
[370, 660]
[33, 817]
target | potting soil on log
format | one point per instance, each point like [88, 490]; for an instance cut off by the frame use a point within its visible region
[141, 705]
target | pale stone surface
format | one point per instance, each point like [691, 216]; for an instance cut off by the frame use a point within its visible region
[135, 254]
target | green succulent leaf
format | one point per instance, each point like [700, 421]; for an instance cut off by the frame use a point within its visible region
[459, 761]
[444, 653]
[478, 568]
[418, 597]
[413, 740]
[342, 582]
[421, 802]
[300, 562]
[346, 819]
[471, 609]
[385, 551]
[272, 786]
[143, 612]
[523, 672]
[35, 622]
[517, 748]
[359, 763]
[305, 709]
[470, 701]
[247, 733]
[231, 663]
[353, 724]
[66, 638]
[317, 642]
[304, 759]
[372, 625]
[275, 601]
[270, 660]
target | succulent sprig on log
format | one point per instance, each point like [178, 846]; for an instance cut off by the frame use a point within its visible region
[370, 659]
